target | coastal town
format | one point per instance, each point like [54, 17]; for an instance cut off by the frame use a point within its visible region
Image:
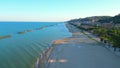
[59, 33]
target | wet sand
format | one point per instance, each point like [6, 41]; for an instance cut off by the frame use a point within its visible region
[79, 51]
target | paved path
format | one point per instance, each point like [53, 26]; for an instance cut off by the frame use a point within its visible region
[79, 51]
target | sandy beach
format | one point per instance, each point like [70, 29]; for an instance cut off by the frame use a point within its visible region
[79, 51]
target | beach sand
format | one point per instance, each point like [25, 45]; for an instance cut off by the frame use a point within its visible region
[79, 51]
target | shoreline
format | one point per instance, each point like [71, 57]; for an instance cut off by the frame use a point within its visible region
[43, 59]
[45, 54]
[65, 53]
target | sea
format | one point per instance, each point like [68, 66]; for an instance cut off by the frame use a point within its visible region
[27, 41]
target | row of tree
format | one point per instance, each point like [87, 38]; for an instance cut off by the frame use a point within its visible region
[111, 36]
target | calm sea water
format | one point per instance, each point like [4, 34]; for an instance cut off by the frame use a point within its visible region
[22, 50]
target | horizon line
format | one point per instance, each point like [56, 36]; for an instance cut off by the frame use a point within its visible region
[32, 21]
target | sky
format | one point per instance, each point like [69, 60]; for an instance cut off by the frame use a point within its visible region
[56, 10]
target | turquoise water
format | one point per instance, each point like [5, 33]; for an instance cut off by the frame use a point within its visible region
[22, 50]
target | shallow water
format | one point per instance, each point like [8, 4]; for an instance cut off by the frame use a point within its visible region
[22, 50]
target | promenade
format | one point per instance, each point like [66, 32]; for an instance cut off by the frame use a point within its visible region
[79, 51]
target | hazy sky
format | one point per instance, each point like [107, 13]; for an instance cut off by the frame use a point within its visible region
[55, 10]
